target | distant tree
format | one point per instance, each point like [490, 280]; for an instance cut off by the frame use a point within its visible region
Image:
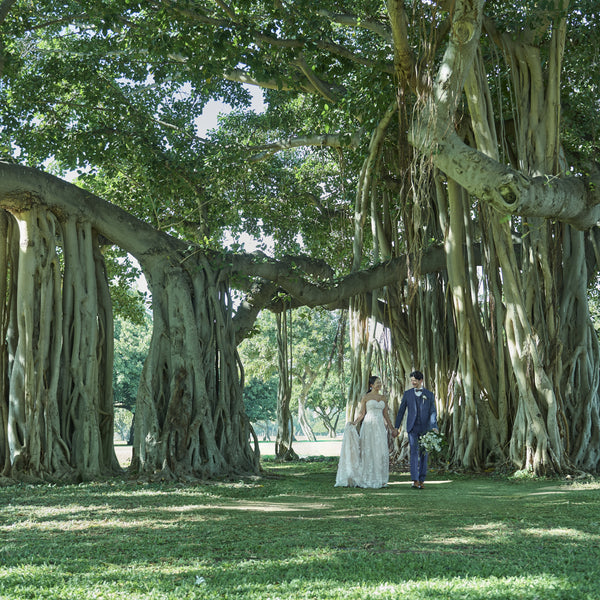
[328, 403]
[258, 352]
[132, 341]
[318, 344]
[260, 400]
[123, 424]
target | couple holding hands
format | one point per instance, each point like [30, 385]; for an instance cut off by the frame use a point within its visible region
[364, 459]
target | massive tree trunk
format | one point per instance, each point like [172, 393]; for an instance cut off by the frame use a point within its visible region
[35, 443]
[516, 352]
[58, 370]
[190, 419]
[554, 272]
[57, 412]
[85, 381]
[8, 266]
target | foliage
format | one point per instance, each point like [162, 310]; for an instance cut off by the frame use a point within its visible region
[319, 350]
[127, 124]
[259, 350]
[290, 534]
[132, 341]
[260, 399]
[129, 301]
[123, 422]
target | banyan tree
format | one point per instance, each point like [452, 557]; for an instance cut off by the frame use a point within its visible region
[427, 165]
[57, 363]
[57, 416]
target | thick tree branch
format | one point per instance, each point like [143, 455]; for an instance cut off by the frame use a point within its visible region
[570, 199]
[352, 21]
[403, 57]
[330, 141]
[230, 12]
[258, 297]
[320, 86]
[22, 187]
[240, 76]
[573, 200]
[322, 294]
[339, 50]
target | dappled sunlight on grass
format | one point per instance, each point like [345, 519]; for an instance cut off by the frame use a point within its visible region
[564, 533]
[286, 580]
[293, 535]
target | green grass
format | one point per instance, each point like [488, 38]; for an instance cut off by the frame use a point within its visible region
[292, 535]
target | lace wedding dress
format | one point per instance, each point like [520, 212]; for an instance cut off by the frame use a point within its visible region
[364, 460]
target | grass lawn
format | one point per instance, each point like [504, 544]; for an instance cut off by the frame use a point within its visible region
[292, 535]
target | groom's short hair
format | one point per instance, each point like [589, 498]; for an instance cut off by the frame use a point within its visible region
[417, 375]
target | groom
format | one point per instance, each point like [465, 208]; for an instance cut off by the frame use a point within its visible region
[420, 419]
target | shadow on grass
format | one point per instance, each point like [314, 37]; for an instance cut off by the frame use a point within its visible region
[297, 536]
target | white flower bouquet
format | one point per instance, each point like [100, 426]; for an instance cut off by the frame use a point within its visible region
[431, 441]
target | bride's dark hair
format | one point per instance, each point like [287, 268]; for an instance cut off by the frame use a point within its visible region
[372, 380]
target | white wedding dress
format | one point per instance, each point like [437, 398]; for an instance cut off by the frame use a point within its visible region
[365, 460]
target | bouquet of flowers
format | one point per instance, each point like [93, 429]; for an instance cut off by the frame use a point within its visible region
[431, 441]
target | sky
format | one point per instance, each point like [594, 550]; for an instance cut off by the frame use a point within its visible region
[211, 112]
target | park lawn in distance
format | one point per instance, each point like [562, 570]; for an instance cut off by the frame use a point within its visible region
[292, 535]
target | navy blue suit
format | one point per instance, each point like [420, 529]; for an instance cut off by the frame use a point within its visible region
[421, 417]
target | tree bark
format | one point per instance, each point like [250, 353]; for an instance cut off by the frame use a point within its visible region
[190, 420]
[303, 420]
[8, 266]
[285, 423]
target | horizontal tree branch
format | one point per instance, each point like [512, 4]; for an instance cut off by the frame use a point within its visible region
[573, 200]
[329, 141]
[241, 76]
[348, 20]
[328, 292]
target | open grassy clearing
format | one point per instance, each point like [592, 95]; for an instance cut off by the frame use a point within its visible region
[292, 535]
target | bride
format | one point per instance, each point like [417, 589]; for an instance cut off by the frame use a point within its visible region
[364, 460]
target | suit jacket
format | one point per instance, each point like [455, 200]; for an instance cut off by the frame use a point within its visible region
[409, 402]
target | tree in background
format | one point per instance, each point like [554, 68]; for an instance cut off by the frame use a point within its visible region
[318, 348]
[132, 341]
[260, 400]
[321, 353]
[329, 403]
